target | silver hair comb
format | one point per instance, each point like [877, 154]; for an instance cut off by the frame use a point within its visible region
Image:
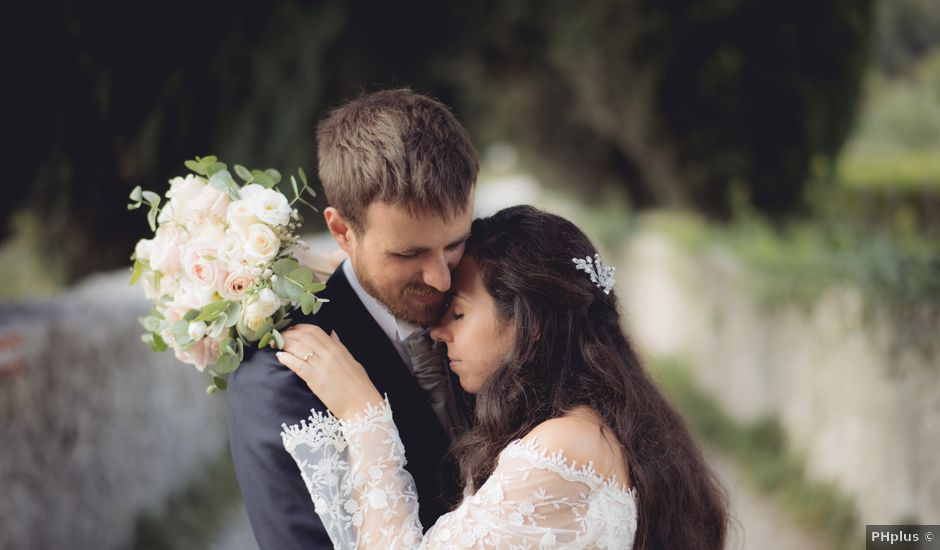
[601, 275]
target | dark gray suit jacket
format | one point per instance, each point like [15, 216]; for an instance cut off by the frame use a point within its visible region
[263, 394]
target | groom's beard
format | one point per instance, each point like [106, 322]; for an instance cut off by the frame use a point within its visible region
[400, 304]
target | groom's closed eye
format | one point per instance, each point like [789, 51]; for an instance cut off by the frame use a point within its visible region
[415, 252]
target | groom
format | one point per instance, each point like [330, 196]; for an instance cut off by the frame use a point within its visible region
[399, 173]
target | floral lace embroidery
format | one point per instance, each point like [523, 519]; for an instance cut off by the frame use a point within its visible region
[354, 471]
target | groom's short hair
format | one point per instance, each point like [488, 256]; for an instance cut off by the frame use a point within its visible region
[399, 147]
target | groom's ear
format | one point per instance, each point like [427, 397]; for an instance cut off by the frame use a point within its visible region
[339, 228]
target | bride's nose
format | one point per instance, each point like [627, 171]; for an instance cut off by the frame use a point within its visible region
[440, 333]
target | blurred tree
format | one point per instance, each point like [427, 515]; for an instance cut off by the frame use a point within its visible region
[113, 94]
[680, 101]
[906, 30]
[677, 101]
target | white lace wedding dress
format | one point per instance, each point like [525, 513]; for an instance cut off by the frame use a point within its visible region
[535, 498]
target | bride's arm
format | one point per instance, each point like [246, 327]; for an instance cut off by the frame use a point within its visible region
[536, 497]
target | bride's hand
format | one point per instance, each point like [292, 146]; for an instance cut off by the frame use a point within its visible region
[329, 370]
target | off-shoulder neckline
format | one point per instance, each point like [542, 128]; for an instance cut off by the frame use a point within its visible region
[556, 461]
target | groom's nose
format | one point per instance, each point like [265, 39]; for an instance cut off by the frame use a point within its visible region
[436, 273]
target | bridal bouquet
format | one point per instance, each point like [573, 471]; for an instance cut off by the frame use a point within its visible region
[220, 268]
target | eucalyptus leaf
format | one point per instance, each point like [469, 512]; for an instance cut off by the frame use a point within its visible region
[195, 167]
[295, 293]
[301, 276]
[136, 194]
[243, 173]
[284, 266]
[316, 306]
[233, 313]
[137, 271]
[151, 323]
[218, 326]
[215, 168]
[220, 382]
[152, 218]
[293, 184]
[158, 344]
[314, 287]
[307, 303]
[274, 175]
[245, 332]
[151, 197]
[280, 288]
[192, 314]
[264, 341]
[303, 176]
[211, 389]
[262, 179]
[180, 332]
[312, 207]
[220, 180]
[310, 190]
[280, 325]
[265, 328]
[278, 339]
[227, 344]
[226, 363]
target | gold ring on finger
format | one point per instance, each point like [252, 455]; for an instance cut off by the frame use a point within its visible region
[306, 357]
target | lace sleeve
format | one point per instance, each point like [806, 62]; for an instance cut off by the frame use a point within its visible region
[355, 473]
[534, 499]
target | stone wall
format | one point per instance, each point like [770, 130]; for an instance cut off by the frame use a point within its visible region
[96, 428]
[862, 412]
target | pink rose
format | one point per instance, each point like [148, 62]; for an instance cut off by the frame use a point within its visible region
[165, 255]
[199, 259]
[237, 284]
[201, 354]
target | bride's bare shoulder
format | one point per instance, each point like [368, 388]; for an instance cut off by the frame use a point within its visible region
[582, 437]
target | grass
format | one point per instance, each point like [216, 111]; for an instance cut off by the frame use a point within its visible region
[762, 452]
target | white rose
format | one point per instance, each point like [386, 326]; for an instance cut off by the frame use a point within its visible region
[144, 249]
[167, 246]
[185, 189]
[247, 191]
[210, 202]
[263, 306]
[240, 216]
[230, 250]
[261, 244]
[269, 206]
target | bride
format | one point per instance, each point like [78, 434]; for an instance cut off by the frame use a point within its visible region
[573, 446]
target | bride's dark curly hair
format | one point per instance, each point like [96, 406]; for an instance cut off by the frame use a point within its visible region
[570, 350]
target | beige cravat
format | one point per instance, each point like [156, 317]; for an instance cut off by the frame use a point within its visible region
[427, 358]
